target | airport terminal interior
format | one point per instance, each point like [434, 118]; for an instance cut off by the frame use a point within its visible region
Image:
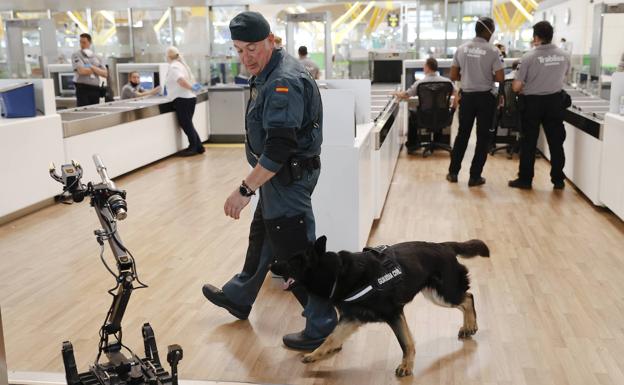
[390, 152]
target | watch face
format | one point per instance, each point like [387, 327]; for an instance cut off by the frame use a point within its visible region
[242, 191]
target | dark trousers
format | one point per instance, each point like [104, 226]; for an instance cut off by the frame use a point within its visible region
[87, 95]
[479, 105]
[185, 109]
[547, 111]
[279, 201]
[412, 131]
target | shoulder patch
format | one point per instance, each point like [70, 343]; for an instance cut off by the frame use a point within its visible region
[281, 89]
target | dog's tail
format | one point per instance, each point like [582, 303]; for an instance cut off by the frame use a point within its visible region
[471, 248]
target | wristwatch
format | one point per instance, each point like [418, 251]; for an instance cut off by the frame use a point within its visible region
[245, 190]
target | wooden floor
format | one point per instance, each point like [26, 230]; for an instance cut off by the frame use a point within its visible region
[550, 300]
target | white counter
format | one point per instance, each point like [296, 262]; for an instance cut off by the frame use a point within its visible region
[27, 146]
[343, 200]
[612, 171]
[583, 163]
[128, 146]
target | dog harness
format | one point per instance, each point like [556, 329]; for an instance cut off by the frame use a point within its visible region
[392, 274]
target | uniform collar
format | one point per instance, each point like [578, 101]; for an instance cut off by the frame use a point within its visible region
[276, 57]
[544, 46]
[479, 39]
[433, 74]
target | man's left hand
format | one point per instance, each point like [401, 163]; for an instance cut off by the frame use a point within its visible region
[235, 204]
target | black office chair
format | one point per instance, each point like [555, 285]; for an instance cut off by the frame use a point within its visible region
[434, 113]
[508, 118]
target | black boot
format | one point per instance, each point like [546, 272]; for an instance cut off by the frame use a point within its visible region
[473, 182]
[300, 341]
[217, 297]
[519, 183]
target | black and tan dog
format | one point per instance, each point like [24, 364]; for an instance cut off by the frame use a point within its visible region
[375, 285]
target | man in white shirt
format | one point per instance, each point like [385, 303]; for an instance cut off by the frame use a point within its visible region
[431, 75]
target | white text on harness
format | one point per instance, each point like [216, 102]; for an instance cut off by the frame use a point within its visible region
[388, 276]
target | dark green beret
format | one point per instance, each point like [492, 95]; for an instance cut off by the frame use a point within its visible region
[249, 27]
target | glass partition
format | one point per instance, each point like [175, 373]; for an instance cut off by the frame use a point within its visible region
[69, 25]
[224, 63]
[111, 33]
[432, 28]
[152, 34]
[3, 44]
[191, 36]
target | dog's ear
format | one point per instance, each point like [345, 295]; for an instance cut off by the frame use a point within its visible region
[320, 245]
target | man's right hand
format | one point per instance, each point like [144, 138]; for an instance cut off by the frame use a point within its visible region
[403, 95]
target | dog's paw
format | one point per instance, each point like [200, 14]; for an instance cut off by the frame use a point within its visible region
[467, 332]
[403, 370]
[308, 358]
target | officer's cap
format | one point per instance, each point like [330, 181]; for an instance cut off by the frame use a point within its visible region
[249, 27]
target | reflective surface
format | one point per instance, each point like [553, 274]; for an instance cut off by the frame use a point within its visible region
[81, 120]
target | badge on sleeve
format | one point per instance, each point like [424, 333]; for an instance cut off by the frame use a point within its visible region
[281, 89]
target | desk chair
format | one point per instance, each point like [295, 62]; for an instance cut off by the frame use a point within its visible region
[434, 113]
[508, 118]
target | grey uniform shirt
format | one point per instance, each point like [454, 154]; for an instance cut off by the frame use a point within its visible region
[79, 59]
[433, 77]
[129, 91]
[543, 70]
[478, 60]
[311, 66]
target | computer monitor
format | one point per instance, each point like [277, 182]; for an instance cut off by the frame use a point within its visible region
[419, 74]
[146, 80]
[413, 75]
[66, 83]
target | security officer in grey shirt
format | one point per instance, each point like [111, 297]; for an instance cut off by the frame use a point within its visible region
[88, 68]
[283, 144]
[478, 65]
[540, 79]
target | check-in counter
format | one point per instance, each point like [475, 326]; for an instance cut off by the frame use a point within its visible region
[343, 200]
[27, 146]
[612, 174]
[128, 134]
[387, 136]
[584, 124]
[358, 159]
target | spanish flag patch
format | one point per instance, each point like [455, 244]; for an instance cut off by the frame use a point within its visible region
[283, 90]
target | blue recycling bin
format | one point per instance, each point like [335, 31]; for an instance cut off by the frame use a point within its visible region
[18, 101]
